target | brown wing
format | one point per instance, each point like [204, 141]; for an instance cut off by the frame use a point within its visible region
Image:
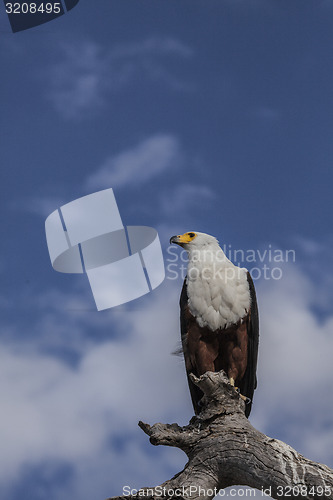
[196, 393]
[249, 381]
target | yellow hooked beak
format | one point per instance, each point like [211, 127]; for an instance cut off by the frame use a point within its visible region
[182, 239]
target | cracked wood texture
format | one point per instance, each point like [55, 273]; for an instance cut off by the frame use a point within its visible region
[224, 449]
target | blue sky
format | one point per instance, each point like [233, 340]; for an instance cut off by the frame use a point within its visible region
[210, 116]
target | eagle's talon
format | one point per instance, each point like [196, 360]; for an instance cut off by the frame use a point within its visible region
[201, 403]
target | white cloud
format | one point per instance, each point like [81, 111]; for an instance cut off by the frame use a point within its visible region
[88, 74]
[295, 366]
[138, 165]
[53, 412]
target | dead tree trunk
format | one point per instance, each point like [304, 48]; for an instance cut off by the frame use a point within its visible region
[224, 449]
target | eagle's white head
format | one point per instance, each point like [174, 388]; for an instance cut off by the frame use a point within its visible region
[194, 240]
[200, 246]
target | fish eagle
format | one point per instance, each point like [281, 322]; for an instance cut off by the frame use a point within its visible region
[218, 316]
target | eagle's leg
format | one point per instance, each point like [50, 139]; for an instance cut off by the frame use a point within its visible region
[244, 398]
[238, 360]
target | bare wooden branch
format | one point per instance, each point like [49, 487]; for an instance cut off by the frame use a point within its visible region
[224, 449]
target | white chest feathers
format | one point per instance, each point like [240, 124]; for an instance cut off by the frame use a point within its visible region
[218, 292]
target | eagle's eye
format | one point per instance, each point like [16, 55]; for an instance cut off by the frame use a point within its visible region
[191, 235]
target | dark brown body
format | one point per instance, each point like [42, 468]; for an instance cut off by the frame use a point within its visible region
[214, 351]
[233, 349]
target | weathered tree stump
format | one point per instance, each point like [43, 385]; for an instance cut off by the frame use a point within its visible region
[224, 449]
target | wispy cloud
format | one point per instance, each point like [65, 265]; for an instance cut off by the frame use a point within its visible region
[317, 256]
[88, 74]
[185, 197]
[157, 158]
[139, 164]
[267, 113]
[152, 46]
[41, 205]
[311, 247]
